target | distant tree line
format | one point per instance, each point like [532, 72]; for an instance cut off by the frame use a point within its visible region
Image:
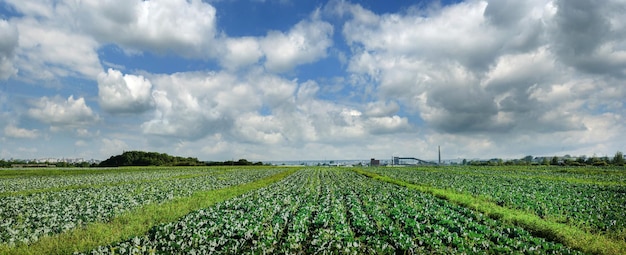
[617, 160]
[241, 162]
[132, 158]
[141, 158]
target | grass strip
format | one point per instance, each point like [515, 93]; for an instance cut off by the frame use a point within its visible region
[568, 235]
[135, 222]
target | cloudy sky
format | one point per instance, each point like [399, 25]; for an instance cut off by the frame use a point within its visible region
[280, 80]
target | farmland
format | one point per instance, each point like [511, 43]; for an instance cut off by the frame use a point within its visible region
[586, 200]
[313, 210]
[25, 218]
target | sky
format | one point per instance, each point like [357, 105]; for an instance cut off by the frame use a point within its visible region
[311, 80]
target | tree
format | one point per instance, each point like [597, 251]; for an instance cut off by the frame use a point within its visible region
[140, 158]
[618, 159]
[591, 160]
[545, 161]
[555, 161]
[582, 159]
[528, 159]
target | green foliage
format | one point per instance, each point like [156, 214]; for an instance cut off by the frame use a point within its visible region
[567, 160]
[240, 162]
[528, 159]
[140, 158]
[618, 159]
[490, 210]
[593, 243]
[588, 203]
[554, 161]
[26, 218]
[139, 220]
[334, 211]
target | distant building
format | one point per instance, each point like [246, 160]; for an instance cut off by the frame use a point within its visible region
[374, 162]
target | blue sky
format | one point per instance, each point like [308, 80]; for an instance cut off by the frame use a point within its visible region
[298, 80]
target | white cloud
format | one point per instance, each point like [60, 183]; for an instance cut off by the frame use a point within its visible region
[530, 68]
[61, 38]
[163, 26]
[381, 109]
[85, 133]
[34, 8]
[241, 52]
[192, 105]
[259, 129]
[393, 124]
[111, 147]
[498, 70]
[8, 44]
[59, 113]
[46, 52]
[81, 143]
[306, 42]
[124, 93]
[276, 92]
[16, 132]
[448, 34]
[257, 108]
[467, 67]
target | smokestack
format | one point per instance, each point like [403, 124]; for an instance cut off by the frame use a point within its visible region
[439, 148]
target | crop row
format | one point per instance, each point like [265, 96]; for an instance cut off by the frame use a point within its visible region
[25, 182]
[25, 218]
[598, 208]
[581, 174]
[334, 211]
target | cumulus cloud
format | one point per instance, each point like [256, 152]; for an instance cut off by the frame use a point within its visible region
[163, 26]
[306, 118]
[414, 34]
[61, 39]
[110, 147]
[46, 52]
[8, 44]
[241, 52]
[193, 105]
[258, 108]
[124, 93]
[60, 113]
[40, 9]
[381, 109]
[384, 125]
[260, 129]
[481, 75]
[17, 132]
[590, 36]
[306, 42]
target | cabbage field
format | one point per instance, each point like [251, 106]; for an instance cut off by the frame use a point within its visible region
[589, 201]
[274, 210]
